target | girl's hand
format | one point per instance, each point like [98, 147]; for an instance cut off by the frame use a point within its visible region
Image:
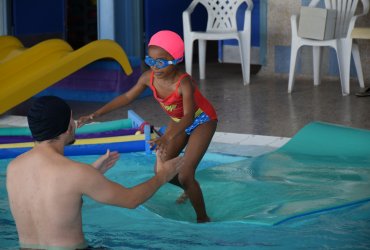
[160, 145]
[105, 162]
[84, 120]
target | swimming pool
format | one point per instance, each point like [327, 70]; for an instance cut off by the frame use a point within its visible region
[242, 198]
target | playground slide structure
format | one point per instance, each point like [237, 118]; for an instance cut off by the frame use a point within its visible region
[25, 72]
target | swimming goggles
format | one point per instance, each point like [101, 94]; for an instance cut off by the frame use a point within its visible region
[161, 63]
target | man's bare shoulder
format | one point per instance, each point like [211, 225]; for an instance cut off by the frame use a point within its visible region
[39, 157]
[80, 170]
[20, 160]
[80, 166]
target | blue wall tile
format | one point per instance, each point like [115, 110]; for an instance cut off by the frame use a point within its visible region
[282, 60]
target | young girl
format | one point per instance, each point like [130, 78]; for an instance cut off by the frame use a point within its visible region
[193, 119]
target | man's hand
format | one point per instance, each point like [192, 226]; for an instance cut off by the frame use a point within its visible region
[105, 162]
[166, 170]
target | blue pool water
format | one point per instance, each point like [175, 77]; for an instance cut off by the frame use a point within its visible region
[246, 200]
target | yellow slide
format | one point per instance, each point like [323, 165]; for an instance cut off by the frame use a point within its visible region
[25, 72]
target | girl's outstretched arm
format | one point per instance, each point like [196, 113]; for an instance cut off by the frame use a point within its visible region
[119, 101]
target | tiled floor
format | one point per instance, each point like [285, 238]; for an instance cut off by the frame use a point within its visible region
[262, 108]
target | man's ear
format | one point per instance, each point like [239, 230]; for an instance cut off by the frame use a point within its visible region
[70, 127]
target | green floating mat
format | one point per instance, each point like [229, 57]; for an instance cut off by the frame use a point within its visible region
[324, 139]
[323, 168]
[89, 128]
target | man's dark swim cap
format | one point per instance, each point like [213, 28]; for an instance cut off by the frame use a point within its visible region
[48, 118]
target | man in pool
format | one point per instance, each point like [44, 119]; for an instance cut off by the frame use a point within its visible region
[45, 188]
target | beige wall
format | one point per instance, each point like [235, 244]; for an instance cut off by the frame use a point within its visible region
[279, 36]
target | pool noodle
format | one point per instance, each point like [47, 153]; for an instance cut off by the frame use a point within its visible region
[91, 149]
[25, 138]
[86, 145]
[87, 141]
[88, 128]
[122, 144]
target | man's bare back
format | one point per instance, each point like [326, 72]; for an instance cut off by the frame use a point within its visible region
[45, 198]
[45, 188]
[45, 191]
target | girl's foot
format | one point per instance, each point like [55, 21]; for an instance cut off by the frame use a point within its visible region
[203, 220]
[182, 198]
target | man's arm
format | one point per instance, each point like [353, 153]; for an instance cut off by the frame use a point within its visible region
[99, 188]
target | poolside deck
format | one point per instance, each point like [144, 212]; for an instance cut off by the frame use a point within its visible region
[262, 108]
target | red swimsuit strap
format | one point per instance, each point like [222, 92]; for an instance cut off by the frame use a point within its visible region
[177, 85]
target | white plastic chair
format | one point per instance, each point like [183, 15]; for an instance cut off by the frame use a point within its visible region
[359, 33]
[342, 43]
[221, 25]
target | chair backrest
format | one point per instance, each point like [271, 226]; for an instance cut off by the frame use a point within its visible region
[222, 14]
[346, 10]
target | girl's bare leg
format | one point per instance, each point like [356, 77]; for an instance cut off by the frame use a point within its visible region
[196, 146]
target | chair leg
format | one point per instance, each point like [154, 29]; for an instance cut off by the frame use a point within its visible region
[356, 58]
[316, 52]
[245, 54]
[293, 59]
[188, 54]
[344, 62]
[202, 58]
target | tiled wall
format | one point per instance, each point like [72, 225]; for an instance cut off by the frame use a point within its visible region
[279, 40]
[3, 19]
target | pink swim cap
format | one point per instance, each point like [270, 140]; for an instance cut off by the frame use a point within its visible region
[170, 42]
